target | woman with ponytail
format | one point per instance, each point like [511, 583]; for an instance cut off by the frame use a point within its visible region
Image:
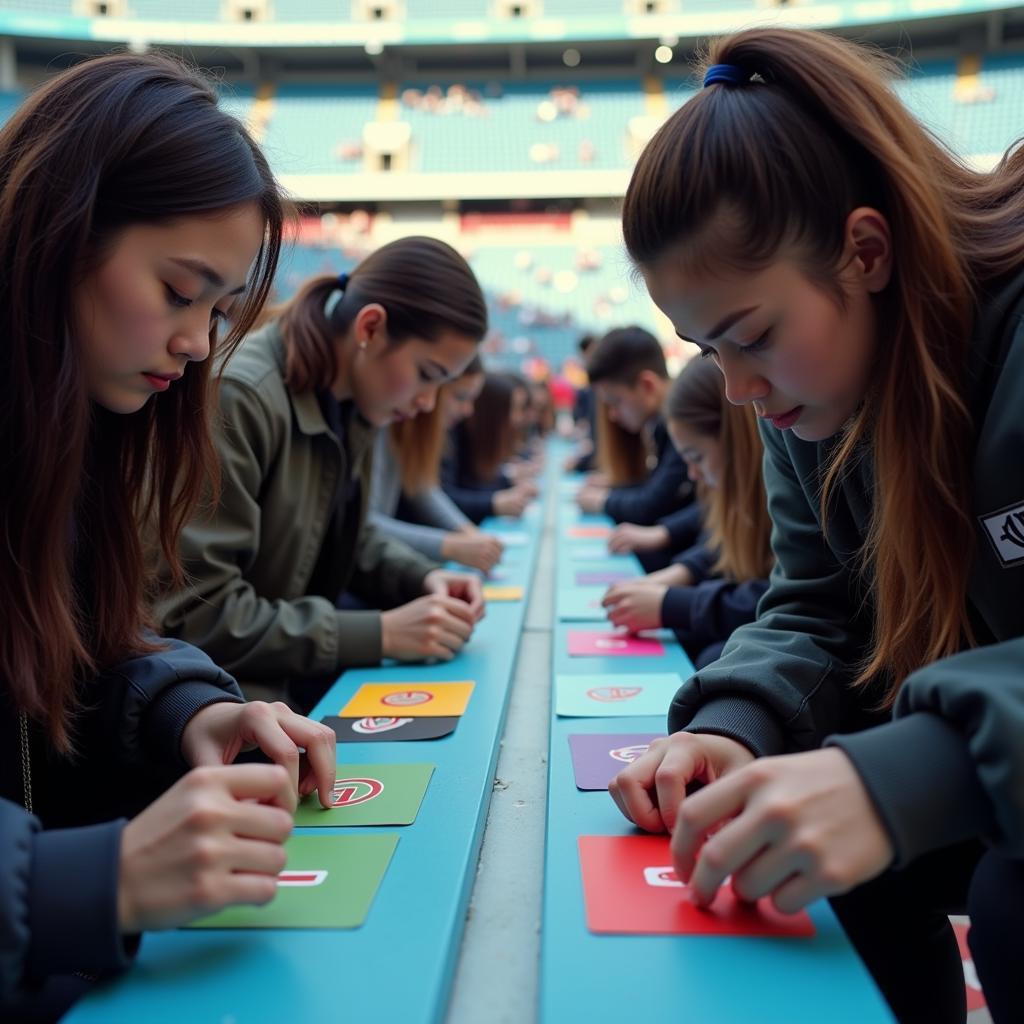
[139, 232]
[300, 408]
[713, 587]
[863, 290]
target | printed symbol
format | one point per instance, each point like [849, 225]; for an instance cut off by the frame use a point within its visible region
[628, 754]
[1013, 529]
[611, 694]
[406, 698]
[663, 877]
[609, 645]
[371, 726]
[301, 878]
[349, 792]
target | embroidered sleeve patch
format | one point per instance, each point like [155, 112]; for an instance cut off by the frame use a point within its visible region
[1005, 529]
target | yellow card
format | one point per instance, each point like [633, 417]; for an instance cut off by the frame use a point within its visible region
[408, 700]
[496, 593]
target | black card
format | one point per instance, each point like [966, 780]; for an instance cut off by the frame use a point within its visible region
[389, 730]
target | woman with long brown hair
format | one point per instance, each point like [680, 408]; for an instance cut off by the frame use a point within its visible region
[863, 290]
[713, 587]
[300, 405]
[479, 447]
[406, 500]
[136, 218]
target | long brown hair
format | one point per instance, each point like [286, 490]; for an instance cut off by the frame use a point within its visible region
[489, 432]
[115, 141]
[424, 285]
[736, 510]
[619, 453]
[418, 443]
[839, 138]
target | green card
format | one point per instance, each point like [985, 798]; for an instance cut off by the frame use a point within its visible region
[328, 882]
[370, 794]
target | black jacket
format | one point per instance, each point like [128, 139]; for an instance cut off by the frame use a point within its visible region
[666, 490]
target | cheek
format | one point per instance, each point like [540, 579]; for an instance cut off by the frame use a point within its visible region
[398, 378]
[120, 321]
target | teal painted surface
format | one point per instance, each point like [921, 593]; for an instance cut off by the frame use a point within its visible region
[397, 968]
[689, 979]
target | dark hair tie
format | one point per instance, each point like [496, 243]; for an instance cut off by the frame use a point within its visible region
[727, 73]
[343, 281]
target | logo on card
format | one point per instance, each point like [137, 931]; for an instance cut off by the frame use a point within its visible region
[372, 726]
[663, 877]
[628, 754]
[349, 792]
[301, 879]
[407, 698]
[1005, 530]
[611, 694]
[607, 644]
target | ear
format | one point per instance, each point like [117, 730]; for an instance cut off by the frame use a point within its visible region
[369, 329]
[649, 384]
[869, 247]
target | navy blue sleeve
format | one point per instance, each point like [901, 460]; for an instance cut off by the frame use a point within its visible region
[58, 901]
[475, 504]
[684, 526]
[712, 609]
[663, 492]
[700, 560]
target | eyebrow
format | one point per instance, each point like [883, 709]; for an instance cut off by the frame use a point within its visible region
[445, 372]
[733, 318]
[205, 271]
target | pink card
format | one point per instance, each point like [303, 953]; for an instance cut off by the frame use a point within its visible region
[586, 643]
[590, 532]
[630, 887]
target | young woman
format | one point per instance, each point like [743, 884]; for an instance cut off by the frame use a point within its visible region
[714, 587]
[135, 217]
[472, 470]
[863, 291]
[300, 406]
[406, 500]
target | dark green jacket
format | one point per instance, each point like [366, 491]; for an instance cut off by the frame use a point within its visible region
[249, 565]
[949, 763]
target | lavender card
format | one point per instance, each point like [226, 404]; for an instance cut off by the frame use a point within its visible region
[598, 757]
[604, 578]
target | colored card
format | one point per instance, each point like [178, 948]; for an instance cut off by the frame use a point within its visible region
[598, 553]
[408, 700]
[581, 604]
[370, 794]
[589, 532]
[602, 577]
[598, 757]
[615, 696]
[513, 538]
[328, 882]
[630, 887]
[385, 729]
[503, 593]
[587, 643]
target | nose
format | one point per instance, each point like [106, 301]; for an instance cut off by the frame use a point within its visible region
[426, 401]
[693, 472]
[741, 386]
[192, 340]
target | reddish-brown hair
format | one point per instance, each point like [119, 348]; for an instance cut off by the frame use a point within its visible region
[736, 510]
[740, 174]
[114, 141]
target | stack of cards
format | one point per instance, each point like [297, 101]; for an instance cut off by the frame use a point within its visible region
[386, 712]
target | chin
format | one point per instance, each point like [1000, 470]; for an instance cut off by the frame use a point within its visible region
[123, 404]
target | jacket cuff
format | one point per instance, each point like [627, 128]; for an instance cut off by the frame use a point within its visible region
[739, 718]
[73, 890]
[677, 609]
[168, 715]
[921, 778]
[359, 639]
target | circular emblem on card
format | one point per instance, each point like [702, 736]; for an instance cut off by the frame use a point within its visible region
[372, 726]
[607, 644]
[611, 694]
[406, 698]
[628, 754]
[349, 792]
[301, 879]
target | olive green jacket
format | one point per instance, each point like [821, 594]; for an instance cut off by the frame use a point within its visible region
[249, 565]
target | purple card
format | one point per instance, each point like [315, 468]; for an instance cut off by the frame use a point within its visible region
[604, 578]
[598, 757]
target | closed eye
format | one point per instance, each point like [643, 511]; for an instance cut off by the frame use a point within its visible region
[176, 298]
[759, 343]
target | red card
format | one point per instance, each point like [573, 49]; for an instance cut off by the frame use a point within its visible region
[599, 532]
[603, 643]
[629, 887]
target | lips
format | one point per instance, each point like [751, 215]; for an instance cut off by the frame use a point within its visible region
[784, 420]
